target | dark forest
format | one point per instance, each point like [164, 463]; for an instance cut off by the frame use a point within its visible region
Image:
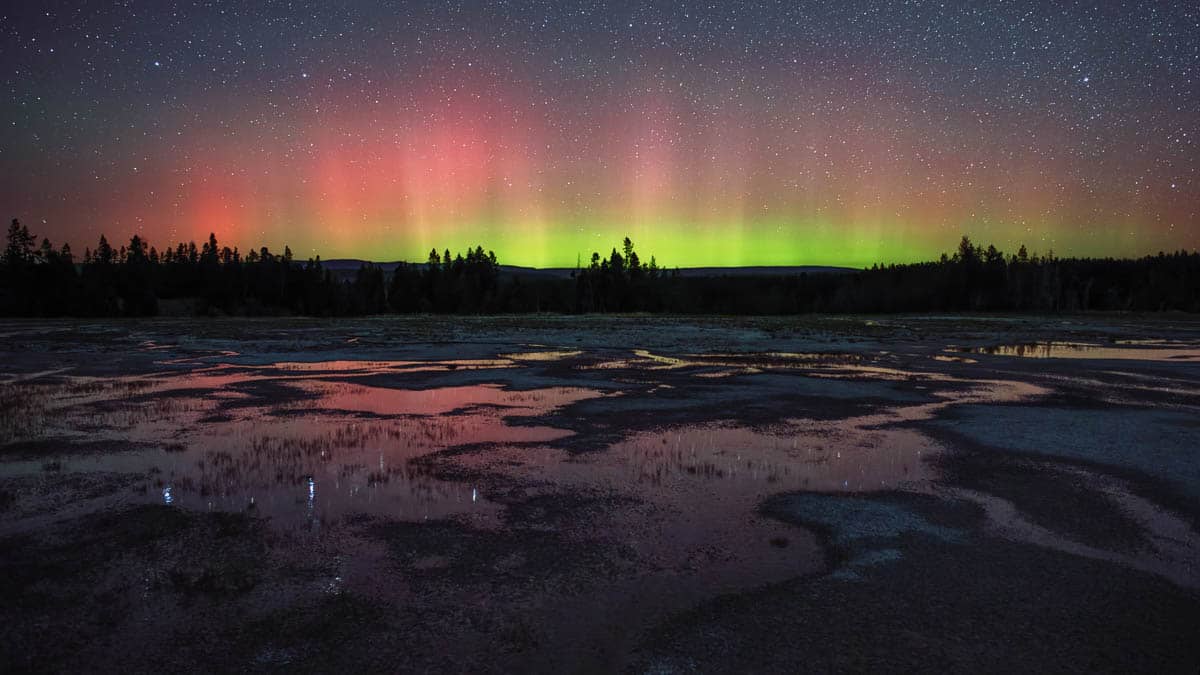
[136, 279]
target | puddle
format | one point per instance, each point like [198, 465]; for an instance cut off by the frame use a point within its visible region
[701, 486]
[1137, 351]
[310, 469]
[386, 366]
[953, 359]
[351, 397]
[550, 355]
[304, 458]
[724, 364]
[309, 445]
[804, 456]
[288, 442]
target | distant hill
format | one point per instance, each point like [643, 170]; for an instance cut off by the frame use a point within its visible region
[763, 271]
[346, 265]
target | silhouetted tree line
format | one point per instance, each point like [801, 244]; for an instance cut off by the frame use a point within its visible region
[973, 278]
[460, 285]
[138, 280]
[620, 283]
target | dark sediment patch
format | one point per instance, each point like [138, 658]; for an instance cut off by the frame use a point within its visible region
[1050, 497]
[1161, 467]
[505, 562]
[42, 448]
[861, 531]
[980, 604]
[265, 392]
[53, 488]
[563, 511]
[284, 413]
[81, 590]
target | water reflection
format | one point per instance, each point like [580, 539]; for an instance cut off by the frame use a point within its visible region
[386, 401]
[539, 356]
[1141, 351]
[335, 468]
[675, 499]
[377, 367]
[294, 452]
[307, 442]
[728, 364]
[791, 458]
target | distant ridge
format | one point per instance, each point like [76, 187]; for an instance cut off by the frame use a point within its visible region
[342, 265]
[763, 271]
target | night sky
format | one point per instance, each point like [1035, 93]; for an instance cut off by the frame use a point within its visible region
[721, 133]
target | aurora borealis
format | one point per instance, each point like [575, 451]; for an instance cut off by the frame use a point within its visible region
[725, 133]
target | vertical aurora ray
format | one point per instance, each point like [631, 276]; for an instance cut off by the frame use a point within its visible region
[782, 136]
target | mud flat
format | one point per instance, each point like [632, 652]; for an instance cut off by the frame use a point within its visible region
[594, 493]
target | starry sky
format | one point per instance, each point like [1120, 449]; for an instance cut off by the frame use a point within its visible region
[715, 133]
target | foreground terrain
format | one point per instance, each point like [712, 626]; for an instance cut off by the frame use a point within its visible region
[564, 493]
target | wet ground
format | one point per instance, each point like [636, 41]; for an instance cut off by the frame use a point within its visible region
[616, 494]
